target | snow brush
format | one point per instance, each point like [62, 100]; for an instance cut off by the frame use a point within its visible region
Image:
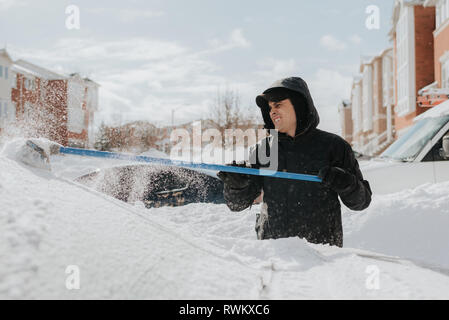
[177, 163]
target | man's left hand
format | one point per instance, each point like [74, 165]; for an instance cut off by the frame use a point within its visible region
[337, 179]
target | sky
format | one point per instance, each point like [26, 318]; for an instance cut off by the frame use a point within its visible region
[154, 57]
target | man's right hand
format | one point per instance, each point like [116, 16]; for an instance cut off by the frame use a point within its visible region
[235, 180]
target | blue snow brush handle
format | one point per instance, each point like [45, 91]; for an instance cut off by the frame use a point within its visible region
[186, 164]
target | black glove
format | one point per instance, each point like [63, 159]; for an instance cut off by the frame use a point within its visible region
[235, 180]
[337, 179]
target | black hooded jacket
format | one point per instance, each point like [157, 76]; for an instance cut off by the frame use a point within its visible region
[291, 208]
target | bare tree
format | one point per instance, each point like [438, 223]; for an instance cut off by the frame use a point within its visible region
[102, 141]
[226, 111]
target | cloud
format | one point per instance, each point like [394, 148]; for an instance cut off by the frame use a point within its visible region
[142, 78]
[277, 68]
[238, 40]
[331, 43]
[81, 49]
[127, 15]
[355, 39]
[156, 76]
[328, 87]
[235, 40]
[143, 82]
[7, 4]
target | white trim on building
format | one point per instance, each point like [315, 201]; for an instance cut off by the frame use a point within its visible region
[388, 89]
[356, 102]
[405, 44]
[6, 112]
[444, 60]
[442, 13]
[367, 98]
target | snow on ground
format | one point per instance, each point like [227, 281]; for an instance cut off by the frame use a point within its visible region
[203, 251]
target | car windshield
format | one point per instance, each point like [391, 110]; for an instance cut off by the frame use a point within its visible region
[407, 147]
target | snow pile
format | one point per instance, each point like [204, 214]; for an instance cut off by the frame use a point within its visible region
[18, 150]
[411, 224]
[438, 111]
[48, 224]
[199, 251]
[155, 153]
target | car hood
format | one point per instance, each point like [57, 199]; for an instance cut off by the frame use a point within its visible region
[378, 163]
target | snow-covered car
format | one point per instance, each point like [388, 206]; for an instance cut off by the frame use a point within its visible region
[156, 186]
[420, 156]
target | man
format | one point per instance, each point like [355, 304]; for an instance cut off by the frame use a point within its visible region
[292, 208]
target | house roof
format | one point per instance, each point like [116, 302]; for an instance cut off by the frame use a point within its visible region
[385, 51]
[356, 80]
[28, 68]
[346, 102]
[5, 53]
[430, 3]
[365, 60]
[92, 82]
[78, 77]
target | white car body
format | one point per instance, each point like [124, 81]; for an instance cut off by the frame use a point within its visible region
[387, 174]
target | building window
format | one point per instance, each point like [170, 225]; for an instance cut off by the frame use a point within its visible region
[3, 110]
[6, 73]
[387, 80]
[43, 93]
[357, 108]
[406, 101]
[14, 80]
[30, 84]
[28, 111]
[442, 12]
[1, 71]
[367, 98]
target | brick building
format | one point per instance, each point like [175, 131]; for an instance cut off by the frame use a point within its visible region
[388, 93]
[413, 43]
[400, 83]
[372, 104]
[441, 41]
[438, 91]
[46, 104]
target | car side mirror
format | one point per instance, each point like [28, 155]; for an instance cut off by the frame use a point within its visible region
[444, 152]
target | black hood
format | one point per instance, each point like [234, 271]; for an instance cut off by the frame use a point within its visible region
[306, 111]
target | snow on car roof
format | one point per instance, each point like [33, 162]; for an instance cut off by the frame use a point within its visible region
[438, 111]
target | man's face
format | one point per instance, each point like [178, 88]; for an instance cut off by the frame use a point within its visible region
[283, 115]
